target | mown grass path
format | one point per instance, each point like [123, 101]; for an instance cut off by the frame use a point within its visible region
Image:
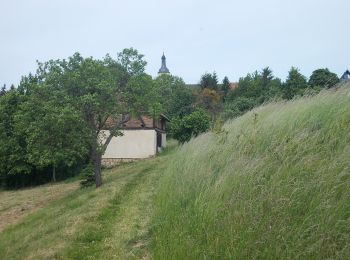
[111, 222]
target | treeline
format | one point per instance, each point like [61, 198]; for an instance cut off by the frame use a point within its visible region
[225, 100]
[51, 123]
[230, 100]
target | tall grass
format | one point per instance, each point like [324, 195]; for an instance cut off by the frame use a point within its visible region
[274, 183]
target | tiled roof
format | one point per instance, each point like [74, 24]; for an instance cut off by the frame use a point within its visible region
[130, 122]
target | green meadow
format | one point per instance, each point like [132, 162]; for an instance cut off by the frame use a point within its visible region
[271, 184]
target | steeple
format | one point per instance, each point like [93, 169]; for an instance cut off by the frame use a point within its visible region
[163, 69]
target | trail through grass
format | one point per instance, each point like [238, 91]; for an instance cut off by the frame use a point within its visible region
[111, 222]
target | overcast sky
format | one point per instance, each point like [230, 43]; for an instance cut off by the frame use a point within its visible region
[229, 36]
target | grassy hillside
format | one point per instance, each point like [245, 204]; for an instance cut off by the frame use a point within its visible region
[66, 222]
[274, 183]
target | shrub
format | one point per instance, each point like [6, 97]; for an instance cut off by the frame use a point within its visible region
[191, 125]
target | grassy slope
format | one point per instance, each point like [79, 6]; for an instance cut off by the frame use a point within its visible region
[109, 222]
[275, 183]
[16, 204]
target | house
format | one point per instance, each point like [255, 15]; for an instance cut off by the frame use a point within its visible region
[346, 76]
[143, 136]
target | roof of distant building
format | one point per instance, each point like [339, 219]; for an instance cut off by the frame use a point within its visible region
[346, 75]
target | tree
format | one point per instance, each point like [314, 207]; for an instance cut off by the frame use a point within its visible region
[259, 86]
[209, 100]
[3, 90]
[173, 95]
[13, 152]
[55, 133]
[132, 61]
[295, 84]
[97, 89]
[323, 78]
[225, 87]
[209, 81]
[190, 125]
[140, 93]
[266, 77]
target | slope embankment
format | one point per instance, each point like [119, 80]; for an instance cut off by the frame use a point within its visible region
[272, 184]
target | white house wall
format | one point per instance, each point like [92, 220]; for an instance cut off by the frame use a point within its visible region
[163, 140]
[134, 144]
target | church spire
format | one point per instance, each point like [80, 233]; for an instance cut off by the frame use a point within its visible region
[163, 69]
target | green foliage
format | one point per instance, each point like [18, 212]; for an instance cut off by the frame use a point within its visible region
[253, 89]
[183, 129]
[274, 184]
[56, 116]
[210, 100]
[176, 100]
[55, 133]
[13, 152]
[323, 78]
[94, 88]
[132, 61]
[295, 84]
[87, 176]
[209, 81]
[140, 93]
[225, 87]
[3, 91]
[238, 106]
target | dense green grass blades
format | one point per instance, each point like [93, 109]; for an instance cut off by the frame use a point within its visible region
[274, 183]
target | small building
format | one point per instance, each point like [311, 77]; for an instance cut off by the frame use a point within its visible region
[143, 137]
[346, 76]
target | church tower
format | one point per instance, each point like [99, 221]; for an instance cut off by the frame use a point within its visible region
[163, 69]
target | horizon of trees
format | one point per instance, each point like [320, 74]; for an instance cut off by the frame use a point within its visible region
[51, 123]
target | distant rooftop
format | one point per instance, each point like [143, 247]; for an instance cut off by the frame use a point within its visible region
[346, 76]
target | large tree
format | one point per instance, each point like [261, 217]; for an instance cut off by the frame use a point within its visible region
[225, 87]
[174, 97]
[13, 152]
[209, 80]
[323, 78]
[295, 84]
[96, 88]
[55, 133]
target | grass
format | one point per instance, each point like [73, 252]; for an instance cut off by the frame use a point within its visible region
[272, 184]
[16, 204]
[111, 222]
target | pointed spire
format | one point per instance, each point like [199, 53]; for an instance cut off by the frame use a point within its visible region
[163, 69]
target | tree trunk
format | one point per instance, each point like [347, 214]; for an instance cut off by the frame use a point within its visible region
[96, 160]
[54, 173]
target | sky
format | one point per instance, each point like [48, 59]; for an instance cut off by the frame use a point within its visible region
[230, 37]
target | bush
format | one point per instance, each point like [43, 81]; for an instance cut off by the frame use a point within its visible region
[191, 125]
[238, 106]
[88, 178]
